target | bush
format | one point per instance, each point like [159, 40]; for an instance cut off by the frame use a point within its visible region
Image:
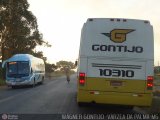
[1, 73]
[2, 81]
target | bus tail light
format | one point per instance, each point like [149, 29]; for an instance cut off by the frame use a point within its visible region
[82, 78]
[150, 82]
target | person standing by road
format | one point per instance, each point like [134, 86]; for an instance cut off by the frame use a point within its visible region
[67, 72]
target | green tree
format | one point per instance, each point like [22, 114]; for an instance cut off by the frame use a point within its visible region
[50, 67]
[19, 29]
[62, 64]
[39, 54]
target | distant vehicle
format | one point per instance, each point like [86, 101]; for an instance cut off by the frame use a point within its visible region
[24, 69]
[116, 62]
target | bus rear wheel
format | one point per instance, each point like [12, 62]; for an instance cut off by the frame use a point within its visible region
[42, 80]
[81, 104]
[34, 83]
[14, 87]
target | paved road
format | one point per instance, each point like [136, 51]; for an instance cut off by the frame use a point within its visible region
[54, 96]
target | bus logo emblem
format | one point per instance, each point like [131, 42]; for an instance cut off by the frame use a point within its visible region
[118, 35]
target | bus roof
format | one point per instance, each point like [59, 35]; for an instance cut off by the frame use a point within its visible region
[20, 57]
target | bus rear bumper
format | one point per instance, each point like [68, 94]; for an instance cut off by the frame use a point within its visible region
[131, 99]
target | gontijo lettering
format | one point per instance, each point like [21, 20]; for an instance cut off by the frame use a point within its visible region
[117, 36]
[117, 48]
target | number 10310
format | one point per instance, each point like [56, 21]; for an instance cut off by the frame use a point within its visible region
[116, 73]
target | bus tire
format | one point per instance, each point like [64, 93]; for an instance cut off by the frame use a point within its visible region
[129, 107]
[13, 87]
[80, 104]
[34, 83]
[42, 80]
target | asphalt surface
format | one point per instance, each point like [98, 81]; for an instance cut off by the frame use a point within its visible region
[55, 96]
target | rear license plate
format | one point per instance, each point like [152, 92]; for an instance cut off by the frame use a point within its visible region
[115, 83]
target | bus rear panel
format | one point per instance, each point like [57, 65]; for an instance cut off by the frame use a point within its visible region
[115, 65]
